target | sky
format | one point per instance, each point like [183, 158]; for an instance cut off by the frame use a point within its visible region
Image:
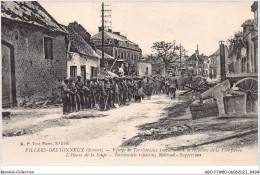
[188, 23]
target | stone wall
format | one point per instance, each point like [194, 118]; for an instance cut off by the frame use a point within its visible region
[36, 77]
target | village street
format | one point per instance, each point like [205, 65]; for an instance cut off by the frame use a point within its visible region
[156, 123]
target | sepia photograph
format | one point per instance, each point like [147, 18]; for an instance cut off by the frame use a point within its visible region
[128, 83]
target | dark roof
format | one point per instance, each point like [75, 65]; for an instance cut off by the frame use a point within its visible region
[80, 30]
[254, 6]
[196, 57]
[29, 12]
[249, 22]
[108, 57]
[193, 57]
[79, 44]
[110, 35]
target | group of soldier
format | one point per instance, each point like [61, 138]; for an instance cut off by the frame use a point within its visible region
[110, 92]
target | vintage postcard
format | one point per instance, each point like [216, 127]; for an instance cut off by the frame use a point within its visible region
[129, 83]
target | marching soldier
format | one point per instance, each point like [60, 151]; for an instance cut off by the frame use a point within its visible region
[73, 92]
[65, 90]
[138, 90]
[87, 95]
[94, 88]
[149, 88]
[116, 91]
[108, 99]
[125, 91]
[102, 94]
[120, 89]
[112, 91]
[79, 96]
[173, 85]
[130, 84]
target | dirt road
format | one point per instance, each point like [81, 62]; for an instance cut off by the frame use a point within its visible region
[156, 123]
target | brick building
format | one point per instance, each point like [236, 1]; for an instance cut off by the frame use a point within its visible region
[119, 47]
[33, 53]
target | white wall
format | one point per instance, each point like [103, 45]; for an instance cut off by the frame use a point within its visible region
[77, 60]
[142, 68]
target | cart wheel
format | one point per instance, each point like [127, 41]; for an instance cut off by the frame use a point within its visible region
[249, 86]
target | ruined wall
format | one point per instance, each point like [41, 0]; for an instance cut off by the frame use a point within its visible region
[36, 77]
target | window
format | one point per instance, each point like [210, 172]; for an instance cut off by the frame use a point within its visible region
[93, 72]
[146, 71]
[48, 48]
[73, 72]
[83, 72]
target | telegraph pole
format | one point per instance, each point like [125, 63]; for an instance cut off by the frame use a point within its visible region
[222, 61]
[102, 60]
[180, 55]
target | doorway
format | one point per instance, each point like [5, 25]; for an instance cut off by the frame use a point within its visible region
[8, 75]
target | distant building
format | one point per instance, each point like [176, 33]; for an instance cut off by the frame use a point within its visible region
[33, 53]
[157, 65]
[214, 63]
[119, 47]
[144, 68]
[196, 62]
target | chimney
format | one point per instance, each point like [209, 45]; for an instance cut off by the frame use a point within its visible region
[99, 29]
[117, 33]
[197, 51]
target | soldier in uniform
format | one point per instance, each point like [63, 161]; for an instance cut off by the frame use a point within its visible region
[130, 88]
[149, 86]
[102, 94]
[173, 85]
[65, 95]
[94, 88]
[116, 91]
[112, 91]
[125, 91]
[87, 95]
[120, 89]
[138, 90]
[73, 92]
[108, 98]
[79, 96]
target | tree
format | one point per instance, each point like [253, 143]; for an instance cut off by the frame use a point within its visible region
[167, 51]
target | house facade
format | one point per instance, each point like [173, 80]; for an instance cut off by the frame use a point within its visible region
[195, 63]
[82, 60]
[243, 48]
[144, 68]
[33, 53]
[214, 63]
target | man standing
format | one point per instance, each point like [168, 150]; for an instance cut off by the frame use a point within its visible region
[79, 97]
[149, 88]
[173, 85]
[94, 89]
[121, 70]
[73, 92]
[65, 95]
[87, 95]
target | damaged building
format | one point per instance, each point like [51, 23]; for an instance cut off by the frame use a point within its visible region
[33, 53]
